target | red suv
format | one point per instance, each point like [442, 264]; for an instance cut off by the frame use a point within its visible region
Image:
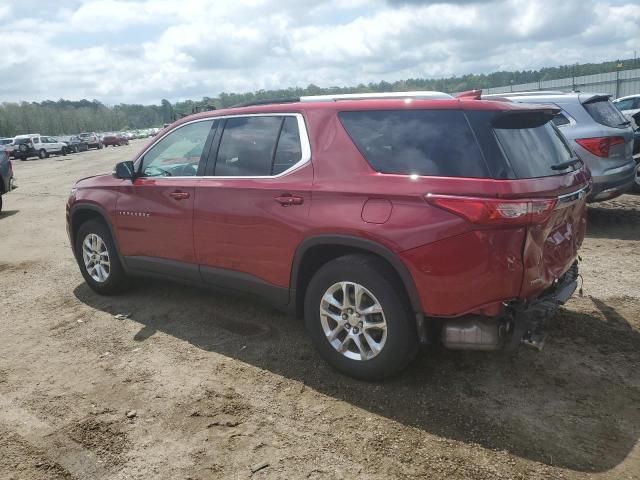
[386, 221]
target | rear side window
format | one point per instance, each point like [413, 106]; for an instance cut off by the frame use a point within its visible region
[420, 142]
[603, 112]
[247, 146]
[534, 150]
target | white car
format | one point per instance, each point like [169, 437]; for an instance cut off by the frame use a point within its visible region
[629, 106]
[36, 145]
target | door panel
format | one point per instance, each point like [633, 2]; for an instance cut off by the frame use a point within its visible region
[242, 225]
[155, 211]
[254, 224]
[152, 222]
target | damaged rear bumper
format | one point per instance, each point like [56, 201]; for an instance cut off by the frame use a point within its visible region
[522, 324]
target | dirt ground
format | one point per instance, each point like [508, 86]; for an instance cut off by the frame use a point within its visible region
[227, 387]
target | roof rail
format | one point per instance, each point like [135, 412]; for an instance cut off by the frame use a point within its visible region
[526, 94]
[267, 102]
[376, 95]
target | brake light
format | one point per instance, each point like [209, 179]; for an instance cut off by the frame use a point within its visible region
[599, 146]
[496, 211]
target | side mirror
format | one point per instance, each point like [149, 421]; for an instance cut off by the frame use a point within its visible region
[125, 170]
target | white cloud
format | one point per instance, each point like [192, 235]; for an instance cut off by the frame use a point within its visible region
[145, 50]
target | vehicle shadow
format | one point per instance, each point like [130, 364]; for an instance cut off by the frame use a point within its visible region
[574, 406]
[8, 213]
[615, 219]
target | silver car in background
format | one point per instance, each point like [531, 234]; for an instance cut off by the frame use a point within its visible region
[598, 133]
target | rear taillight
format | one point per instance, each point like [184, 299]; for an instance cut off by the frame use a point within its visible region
[496, 211]
[599, 146]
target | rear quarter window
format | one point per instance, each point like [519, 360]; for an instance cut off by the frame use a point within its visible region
[532, 151]
[416, 142]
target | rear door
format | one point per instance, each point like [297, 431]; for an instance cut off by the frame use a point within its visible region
[544, 167]
[252, 207]
[155, 211]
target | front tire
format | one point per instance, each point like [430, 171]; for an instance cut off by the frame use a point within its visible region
[359, 319]
[636, 185]
[98, 259]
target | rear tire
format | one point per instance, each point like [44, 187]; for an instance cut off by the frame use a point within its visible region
[359, 346]
[42, 154]
[636, 185]
[98, 259]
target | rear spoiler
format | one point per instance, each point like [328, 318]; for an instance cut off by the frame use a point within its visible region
[534, 115]
[470, 95]
[595, 98]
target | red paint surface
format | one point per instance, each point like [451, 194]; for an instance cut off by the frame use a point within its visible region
[458, 267]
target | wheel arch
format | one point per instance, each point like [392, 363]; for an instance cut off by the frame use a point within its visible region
[82, 213]
[315, 251]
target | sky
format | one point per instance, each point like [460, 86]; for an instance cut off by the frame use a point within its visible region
[141, 51]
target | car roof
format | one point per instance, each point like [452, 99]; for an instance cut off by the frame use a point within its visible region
[635, 95]
[350, 102]
[552, 97]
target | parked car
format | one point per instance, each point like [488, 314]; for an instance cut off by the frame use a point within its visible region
[385, 220]
[75, 144]
[629, 106]
[36, 145]
[7, 180]
[115, 140]
[92, 139]
[597, 132]
[7, 145]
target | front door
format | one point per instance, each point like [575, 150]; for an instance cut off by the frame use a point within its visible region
[155, 212]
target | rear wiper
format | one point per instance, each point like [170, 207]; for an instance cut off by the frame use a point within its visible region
[568, 163]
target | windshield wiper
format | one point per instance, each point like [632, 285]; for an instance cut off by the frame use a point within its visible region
[567, 164]
[624, 124]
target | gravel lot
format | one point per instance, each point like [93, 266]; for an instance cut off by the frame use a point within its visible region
[170, 382]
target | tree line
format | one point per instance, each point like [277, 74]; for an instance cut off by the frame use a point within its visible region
[68, 117]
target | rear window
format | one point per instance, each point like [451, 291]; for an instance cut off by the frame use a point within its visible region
[532, 151]
[21, 141]
[603, 112]
[416, 142]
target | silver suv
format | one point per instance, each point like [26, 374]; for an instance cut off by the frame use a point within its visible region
[597, 132]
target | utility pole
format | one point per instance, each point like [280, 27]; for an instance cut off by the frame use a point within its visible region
[618, 67]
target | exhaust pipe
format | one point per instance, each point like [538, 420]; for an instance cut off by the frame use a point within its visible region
[474, 333]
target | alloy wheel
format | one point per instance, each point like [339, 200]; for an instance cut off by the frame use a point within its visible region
[353, 321]
[96, 258]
